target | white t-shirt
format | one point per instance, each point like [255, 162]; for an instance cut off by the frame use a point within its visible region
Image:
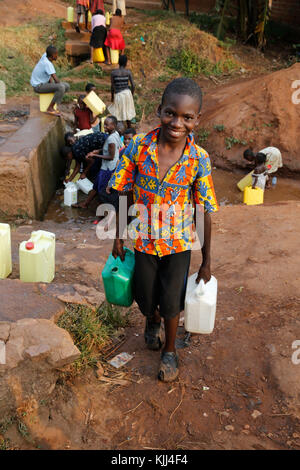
[113, 138]
[274, 158]
[42, 71]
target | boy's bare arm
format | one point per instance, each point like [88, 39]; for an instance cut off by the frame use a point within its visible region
[205, 270]
[118, 246]
[75, 172]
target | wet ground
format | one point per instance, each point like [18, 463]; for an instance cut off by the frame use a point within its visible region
[226, 190]
[10, 121]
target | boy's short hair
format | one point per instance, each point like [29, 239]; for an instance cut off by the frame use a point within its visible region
[118, 12]
[260, 158]
[50, 51]
[123, 60]
[113, 119]
[183, 86]
[67, 136]
[65, 150]
[131, 130]
[89, 86]
[99, 12]
[248, 153]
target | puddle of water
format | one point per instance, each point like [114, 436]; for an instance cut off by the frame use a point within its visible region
[227, 193]
[59, 213]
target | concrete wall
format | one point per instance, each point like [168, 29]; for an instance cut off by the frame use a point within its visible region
[30, 165]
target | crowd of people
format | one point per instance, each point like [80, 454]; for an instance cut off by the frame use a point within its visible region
[163, 167]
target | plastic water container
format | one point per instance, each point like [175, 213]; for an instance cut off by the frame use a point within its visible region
[70, 194]
[5, 251]
[94, 103]
[70, 14]
[85, 185]
[200, 305]
[98, 55]
[117, 277]
[114, 55]
[253, 196]
[246, 181]
[45, 100]
[107, 18]
[37, 257]
[89, 16]
[102, 124]
[274, 180]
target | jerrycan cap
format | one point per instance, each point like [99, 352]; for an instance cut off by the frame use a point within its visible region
[29, 246]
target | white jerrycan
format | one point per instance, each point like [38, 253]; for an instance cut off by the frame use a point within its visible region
[85, 185]
[70, 194]
[200, 305]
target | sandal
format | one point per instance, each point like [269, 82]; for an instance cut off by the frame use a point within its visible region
[152, 335]
[168, 369]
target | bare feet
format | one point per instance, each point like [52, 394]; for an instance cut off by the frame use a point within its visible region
[80, 205]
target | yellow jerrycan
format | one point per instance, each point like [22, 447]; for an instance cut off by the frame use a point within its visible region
[89, 16]
[70, 14]
[37, 257]
[98, 55]
[246, 181]
[45, 100]
[5, 251]
[114, 55]
[107, 18]
[94, 103]
[253, 196]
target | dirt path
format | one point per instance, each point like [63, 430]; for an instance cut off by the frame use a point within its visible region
[238, 387]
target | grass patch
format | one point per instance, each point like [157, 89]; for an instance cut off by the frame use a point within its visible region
[231, 141]
[91, 330]
[202, 135]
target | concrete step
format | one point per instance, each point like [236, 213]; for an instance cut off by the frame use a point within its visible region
[77, 48]
[74, 36]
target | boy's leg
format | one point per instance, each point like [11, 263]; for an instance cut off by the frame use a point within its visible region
[146, 295]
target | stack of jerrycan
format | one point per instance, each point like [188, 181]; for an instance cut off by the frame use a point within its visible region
[5, 251]
[37, 257]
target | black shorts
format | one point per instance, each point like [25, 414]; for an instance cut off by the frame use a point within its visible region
[161, 282]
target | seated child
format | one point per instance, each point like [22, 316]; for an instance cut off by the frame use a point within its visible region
[109, 158]
[260, 173]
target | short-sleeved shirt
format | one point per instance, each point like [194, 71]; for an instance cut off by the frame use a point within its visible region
[88, 143]
[274, 159]
[83, 118]
[113, 138]
[165, 208]
[98, 20]
[42, 71]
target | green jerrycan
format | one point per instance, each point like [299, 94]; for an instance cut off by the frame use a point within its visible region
[117, 278]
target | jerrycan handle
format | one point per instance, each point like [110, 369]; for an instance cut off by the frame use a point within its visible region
[200, 289]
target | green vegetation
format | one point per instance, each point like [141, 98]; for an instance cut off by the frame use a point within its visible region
[91, 329]
[202, 135]
[191, 65]
[231, 141]
[219, 127]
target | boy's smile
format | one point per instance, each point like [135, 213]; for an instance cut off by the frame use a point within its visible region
[179, 115]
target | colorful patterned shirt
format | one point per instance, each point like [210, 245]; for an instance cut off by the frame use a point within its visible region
[165, 209]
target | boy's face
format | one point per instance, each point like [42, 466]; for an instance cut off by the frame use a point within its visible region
[127, 139]
[109, 126]
[81, 104]
[179, 115]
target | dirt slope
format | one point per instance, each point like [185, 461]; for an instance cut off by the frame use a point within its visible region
[260, 112]
[14, 12]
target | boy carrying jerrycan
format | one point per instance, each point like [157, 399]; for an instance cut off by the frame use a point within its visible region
[172, 185]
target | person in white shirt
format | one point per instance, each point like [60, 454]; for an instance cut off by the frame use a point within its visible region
[273, 161]
[44, 79]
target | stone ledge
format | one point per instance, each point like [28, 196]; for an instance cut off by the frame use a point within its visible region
[30, 164]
